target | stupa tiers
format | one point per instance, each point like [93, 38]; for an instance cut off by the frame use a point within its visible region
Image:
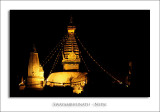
[35, 79]
[71, 60]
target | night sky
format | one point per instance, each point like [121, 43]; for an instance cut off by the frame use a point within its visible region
[113, 38]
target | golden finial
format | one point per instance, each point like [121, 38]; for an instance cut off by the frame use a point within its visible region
[71, 20]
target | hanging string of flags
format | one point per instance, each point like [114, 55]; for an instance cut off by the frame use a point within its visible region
[84, 62]
[60, 45]
[98, 63]
[53, 52]
[56, 61]
[58, 55]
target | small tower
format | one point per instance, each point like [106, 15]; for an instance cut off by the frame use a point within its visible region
[128, 77]
[22, 84]
[35, 78]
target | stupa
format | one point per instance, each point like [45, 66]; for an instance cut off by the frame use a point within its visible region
[71, 60]
[35, 79]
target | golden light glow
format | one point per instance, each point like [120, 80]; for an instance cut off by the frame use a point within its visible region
[71, 31]
[71, 61]
[35, 78]
[70, 66]
[72, 56]
[74, 79]
[77, 90]
[65, 77]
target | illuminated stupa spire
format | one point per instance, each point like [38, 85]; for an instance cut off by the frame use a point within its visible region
[71, 59]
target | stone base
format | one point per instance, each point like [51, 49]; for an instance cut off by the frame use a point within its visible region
[22, 87]
[35, 82]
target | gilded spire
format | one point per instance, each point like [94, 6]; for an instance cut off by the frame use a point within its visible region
[34, 48]
[71, 20]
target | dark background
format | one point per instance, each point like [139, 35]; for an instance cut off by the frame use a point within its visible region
[113, 37]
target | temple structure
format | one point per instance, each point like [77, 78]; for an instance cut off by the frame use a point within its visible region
[35, 79]
[71, 75]
[71, 60]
